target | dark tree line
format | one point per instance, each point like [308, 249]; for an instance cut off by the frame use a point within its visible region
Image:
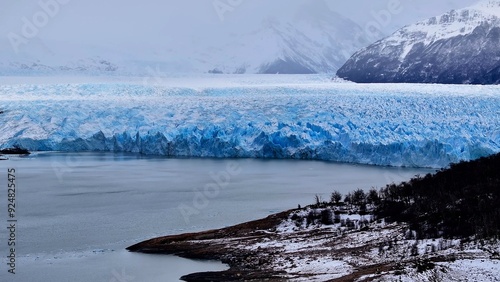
[461, 201]
[458, 202]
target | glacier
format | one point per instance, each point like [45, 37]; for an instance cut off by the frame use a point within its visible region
[285, 117]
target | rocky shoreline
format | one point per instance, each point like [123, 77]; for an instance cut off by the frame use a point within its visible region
[293, 246]
[219, 245]
[12, 151]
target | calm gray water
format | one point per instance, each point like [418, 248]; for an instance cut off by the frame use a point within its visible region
[77, 212]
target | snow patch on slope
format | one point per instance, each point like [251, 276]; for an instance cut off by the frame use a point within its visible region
[448, 25]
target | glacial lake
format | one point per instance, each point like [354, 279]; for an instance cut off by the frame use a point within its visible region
[77, 212]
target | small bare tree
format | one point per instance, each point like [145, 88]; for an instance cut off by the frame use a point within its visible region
[318, 200]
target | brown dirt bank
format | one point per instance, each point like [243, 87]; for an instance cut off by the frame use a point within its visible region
[213, 245]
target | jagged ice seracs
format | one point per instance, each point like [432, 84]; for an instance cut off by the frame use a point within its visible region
[397, 125]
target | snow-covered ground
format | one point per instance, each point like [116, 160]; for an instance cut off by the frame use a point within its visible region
[363, 251]
[302, 117]
[382, 252]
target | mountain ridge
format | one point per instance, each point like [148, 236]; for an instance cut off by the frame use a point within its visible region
[458, 47]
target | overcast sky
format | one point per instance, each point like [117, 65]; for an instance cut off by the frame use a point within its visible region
[162, 23]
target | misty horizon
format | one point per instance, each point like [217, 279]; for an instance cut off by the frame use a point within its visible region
[160, 30]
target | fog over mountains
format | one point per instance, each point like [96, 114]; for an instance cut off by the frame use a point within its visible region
[297, 36]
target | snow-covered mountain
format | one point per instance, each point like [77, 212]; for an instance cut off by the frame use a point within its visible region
[312, 39]
[460, 46]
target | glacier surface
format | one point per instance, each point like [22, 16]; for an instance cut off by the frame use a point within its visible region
[297, 117]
